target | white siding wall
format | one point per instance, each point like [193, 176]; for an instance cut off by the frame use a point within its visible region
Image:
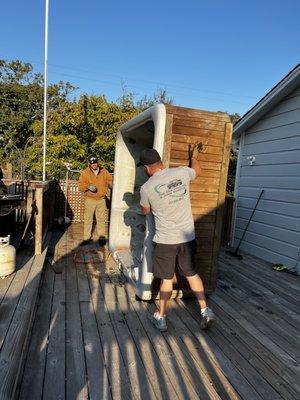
[274, 233]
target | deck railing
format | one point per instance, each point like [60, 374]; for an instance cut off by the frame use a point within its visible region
[45, 203]
[39, 199]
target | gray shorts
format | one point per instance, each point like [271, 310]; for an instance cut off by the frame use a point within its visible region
[168, 258]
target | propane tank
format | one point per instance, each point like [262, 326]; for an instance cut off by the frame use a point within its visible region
[7, 257]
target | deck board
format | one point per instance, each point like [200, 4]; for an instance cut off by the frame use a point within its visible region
[34, 369]
[136, 371]
[222, 371]
[11, 299]
[260, 355]
[76, 382]
[17, 312]
[158, 378]
[4, 285]
[55, 362]
[272, 304]
[175, 367]
[250, 271]
[90, 327]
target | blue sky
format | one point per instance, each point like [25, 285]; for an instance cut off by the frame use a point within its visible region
[214, 55]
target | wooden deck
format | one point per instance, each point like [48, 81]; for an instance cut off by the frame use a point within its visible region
[91, 339]
[18, 300]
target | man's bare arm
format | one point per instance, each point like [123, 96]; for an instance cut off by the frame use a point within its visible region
[195, 164]
[194, 151]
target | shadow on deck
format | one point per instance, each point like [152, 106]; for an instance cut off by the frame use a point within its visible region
[92, 339]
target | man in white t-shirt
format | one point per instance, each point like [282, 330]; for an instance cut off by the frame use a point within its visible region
[167, 195]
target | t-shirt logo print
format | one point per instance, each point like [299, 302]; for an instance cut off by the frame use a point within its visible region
[175, 188]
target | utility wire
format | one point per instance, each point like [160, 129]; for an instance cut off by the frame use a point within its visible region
[164, 84]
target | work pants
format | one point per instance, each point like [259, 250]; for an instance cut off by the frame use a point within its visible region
[91, 207]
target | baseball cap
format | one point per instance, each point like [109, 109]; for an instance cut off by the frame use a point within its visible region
[93, 159]
[148, 157]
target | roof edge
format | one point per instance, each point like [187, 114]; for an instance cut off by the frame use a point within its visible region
[283, 87]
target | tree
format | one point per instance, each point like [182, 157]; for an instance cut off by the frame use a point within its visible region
[21, 101]
[61, 149]
[93, 121]
[160, 96]
[234, 117]
[232, 161]
[75, 129]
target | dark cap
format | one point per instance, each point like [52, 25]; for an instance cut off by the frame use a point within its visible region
[93, 159]
[148, 157]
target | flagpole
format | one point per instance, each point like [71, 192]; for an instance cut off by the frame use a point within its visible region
[45, 89]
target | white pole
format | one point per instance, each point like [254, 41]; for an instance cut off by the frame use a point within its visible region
[45, 89]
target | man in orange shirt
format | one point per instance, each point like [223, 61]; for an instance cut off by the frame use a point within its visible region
[94, 182]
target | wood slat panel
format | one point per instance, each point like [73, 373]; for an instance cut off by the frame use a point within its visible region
[204, 218]
[194, 113]
[183, 155]
[198, 123]
[203, 226]
[202, 197]
[201, 130]
[205, 165]
[205, 183]
[199, 211]
[206, 189]
[178, 146]
[208, 173]
[216, 136]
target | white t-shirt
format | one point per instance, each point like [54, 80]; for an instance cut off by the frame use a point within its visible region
[167, 193]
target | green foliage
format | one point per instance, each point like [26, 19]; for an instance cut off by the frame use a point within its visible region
[21, 108]
[16, 72]
[75, 129]
[232, 161]
[105, 150]
[93, 122]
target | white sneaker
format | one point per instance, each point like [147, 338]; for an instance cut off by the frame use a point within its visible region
[159, 322]
[208, 318]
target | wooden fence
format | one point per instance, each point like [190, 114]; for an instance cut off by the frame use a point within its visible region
[69, 202]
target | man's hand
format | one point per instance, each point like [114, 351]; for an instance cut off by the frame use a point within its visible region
[92, 188]
[195, 149]
[145, 210]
